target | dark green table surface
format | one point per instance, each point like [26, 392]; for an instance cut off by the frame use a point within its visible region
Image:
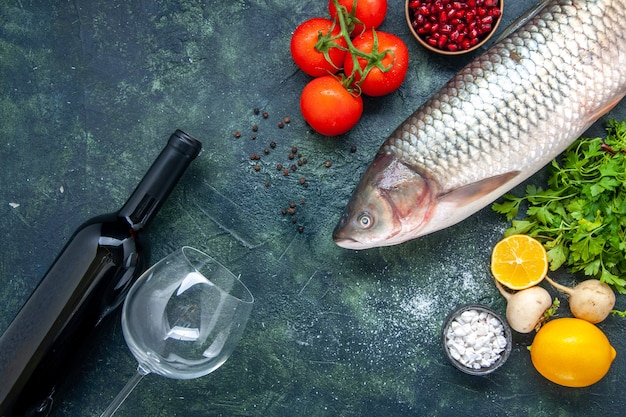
[90, 91]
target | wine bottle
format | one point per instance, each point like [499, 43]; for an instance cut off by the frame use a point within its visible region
[87, 281]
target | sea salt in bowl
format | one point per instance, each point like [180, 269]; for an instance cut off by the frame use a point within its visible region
[476, 339]
[453, 27]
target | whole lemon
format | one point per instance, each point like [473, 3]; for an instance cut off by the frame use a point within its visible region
[571, 352]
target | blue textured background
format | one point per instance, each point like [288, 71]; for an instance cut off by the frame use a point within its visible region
[89, 93]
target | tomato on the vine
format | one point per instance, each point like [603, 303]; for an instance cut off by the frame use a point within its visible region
[386, 73]
[315, 40]
[371, 13]
[328, 107]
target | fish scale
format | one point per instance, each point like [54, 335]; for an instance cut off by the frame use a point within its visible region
[503, 117]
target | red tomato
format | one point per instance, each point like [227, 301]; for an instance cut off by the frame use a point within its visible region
[328, 107]
[303, 47]
[378, 82]
[370, 12]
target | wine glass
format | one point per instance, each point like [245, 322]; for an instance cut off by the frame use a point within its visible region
[182, 318]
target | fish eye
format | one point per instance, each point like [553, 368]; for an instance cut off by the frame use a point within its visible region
[365, 220]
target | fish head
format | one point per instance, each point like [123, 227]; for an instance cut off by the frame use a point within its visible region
[389, 206]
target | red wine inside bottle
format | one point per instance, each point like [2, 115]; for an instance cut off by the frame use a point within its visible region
[87, 281]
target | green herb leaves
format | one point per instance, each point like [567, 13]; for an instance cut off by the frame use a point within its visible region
[581, 217]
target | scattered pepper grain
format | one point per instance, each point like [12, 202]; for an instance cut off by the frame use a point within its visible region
[281, 124]
[285, 172]
[257, 167]
[265, 115]
[353, 149]
[237, 134]
[287, 119]
[255, 128]
[291, 156]
[327, 164]
[272, 144]
[256, 110]
[300, 229]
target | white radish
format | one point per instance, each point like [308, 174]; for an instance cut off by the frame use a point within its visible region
[525, 309]
[591, 300]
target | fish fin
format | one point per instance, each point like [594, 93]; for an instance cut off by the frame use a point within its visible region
[607, 107]
[521, 21]
[477, 190]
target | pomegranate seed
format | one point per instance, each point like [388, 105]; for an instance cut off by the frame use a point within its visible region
[485, 28]
[442, 41]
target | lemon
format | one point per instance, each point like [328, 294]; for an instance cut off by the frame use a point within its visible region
[571, 352]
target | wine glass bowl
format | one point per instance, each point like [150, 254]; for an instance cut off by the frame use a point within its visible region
[183, 318]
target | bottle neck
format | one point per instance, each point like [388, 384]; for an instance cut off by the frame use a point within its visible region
[160, 179]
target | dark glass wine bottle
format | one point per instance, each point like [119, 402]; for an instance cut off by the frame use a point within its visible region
[87, 281]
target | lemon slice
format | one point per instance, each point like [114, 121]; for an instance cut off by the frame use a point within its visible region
[519, 262]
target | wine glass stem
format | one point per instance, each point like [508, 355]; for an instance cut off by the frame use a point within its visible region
[125, 392]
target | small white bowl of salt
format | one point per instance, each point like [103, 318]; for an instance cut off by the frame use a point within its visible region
[476, 339]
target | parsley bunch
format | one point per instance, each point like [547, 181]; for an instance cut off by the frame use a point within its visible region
[581, 217]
